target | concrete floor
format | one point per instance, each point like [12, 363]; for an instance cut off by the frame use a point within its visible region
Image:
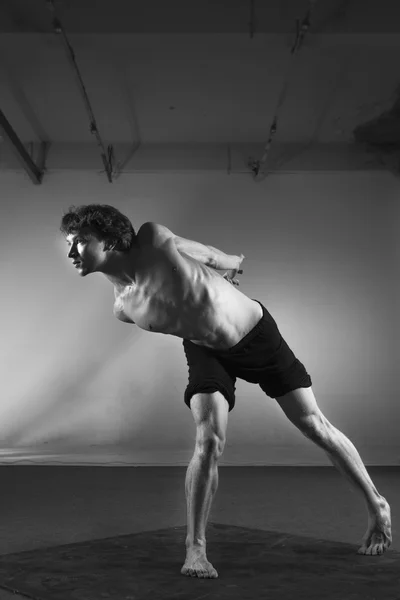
[45, 506]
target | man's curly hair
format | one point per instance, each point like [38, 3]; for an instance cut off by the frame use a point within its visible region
[111, 226]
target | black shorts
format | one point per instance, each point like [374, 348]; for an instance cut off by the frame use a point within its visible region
[262, 357]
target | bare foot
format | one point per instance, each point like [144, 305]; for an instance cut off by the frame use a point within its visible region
[197, 565]
[379, 535]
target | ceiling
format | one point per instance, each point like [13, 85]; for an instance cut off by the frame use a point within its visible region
[199, 16]
[204, 71]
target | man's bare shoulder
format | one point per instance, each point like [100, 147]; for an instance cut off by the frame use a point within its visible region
[153, 234]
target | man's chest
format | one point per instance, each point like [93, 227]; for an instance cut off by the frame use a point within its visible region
[161, 284]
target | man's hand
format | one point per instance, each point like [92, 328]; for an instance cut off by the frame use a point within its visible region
[231, 274]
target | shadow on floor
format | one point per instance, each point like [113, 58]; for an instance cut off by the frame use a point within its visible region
[251, 564]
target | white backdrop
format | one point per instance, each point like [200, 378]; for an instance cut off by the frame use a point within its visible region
[322, 255]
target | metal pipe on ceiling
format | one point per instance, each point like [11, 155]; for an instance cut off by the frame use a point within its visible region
[106, 154]
[259, 166]
[252, 18]
[34, 172]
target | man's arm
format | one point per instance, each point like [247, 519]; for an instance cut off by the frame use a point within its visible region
[208, 255]
[223, 261]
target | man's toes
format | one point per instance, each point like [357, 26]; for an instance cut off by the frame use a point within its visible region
[381, 548]
[203, 574]
[372, 549]
[365, 549]
[198, 573]
[378, 549]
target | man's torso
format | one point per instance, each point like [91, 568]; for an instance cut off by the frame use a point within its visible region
[177, 295]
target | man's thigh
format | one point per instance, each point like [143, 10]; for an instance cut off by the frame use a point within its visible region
[207, 374]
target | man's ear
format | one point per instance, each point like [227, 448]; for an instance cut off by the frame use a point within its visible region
[112, 246]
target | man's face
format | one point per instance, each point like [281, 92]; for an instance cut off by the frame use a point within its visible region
[86, 250]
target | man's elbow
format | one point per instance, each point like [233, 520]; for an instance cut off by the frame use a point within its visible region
[211, 261]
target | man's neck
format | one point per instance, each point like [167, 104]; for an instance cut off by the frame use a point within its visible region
[122, 271]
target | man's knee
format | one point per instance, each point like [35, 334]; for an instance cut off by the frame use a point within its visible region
[210, 413]
[315, 427]
[209, 446]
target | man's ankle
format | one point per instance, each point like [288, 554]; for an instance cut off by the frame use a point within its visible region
[199, 543]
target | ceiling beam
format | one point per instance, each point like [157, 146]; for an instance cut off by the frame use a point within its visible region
[11, 137]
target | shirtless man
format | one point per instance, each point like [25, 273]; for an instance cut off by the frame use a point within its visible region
[167, 284]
